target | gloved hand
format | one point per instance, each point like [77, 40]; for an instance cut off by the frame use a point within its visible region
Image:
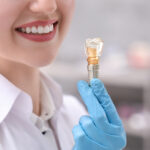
[103, 128]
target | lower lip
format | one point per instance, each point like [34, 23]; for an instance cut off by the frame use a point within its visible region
[39, 37]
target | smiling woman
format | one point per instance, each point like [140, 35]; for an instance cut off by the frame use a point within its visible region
[34, 114]
[36, 14]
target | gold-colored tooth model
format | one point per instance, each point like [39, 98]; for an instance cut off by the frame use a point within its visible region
[93, 49]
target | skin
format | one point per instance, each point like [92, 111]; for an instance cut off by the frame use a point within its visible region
[21, 58]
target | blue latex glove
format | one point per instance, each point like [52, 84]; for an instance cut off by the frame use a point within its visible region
[103, 128]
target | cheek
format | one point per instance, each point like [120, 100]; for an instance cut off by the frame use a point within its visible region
[9, 12]
[66, 8]
[66, 5]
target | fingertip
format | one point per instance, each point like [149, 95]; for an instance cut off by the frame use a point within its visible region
[81, 84]
[85, 92]
[85, 120]
[95, 82]
[77, 132]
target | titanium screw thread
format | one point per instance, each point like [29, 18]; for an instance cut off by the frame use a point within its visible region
[93, 71]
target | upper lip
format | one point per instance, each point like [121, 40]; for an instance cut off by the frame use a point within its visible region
[37, 23]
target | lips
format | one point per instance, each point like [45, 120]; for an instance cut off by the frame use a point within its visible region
[38, 37]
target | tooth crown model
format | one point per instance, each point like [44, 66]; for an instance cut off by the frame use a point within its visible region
[93, 51]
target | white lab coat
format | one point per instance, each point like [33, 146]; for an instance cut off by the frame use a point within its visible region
[17, 132]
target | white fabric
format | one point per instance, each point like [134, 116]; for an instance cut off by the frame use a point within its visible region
[47, 111]
[47, 105]
[18, 132]
[46, 130]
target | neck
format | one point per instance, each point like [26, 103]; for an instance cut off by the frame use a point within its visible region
[24, 77]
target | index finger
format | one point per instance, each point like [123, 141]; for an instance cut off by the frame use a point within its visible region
[106, 102]
[94, 107]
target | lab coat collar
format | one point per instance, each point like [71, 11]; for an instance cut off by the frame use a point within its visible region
[47, 104]
[54, 88]
[13, 98]
[9, 94]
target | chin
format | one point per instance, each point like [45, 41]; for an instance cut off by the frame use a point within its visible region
[40, 62]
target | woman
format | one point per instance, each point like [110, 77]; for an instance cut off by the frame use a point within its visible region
[33, 113]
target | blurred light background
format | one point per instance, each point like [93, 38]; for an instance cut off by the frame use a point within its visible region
[124, 27]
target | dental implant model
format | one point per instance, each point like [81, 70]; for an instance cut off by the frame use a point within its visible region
[93, 49]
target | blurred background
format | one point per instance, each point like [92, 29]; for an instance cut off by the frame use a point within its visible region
[125, 63]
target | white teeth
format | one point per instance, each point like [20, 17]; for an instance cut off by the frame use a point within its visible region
[39, 29]
[28, 30]
[51, 27]
[34, 30]
[46, 29]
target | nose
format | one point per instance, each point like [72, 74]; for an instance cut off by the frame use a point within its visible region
[43, 6]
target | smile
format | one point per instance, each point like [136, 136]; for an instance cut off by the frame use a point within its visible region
[38, 31]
